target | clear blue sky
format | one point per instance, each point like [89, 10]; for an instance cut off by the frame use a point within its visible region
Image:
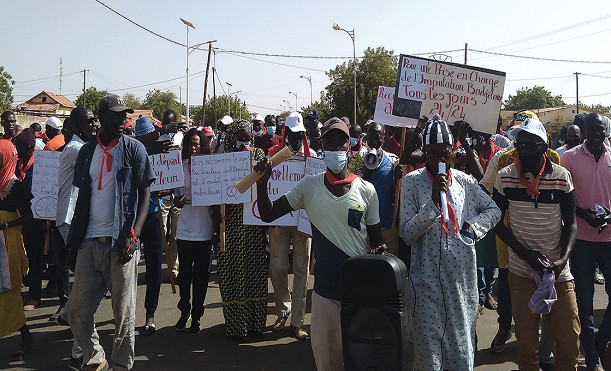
[36, 34]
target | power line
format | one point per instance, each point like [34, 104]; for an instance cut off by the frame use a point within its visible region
[324, 56]
[552, 32]
[277, 63]
[602, 77]
[539, 58]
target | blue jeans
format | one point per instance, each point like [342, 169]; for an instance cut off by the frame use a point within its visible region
[485, 281]
[584, 257]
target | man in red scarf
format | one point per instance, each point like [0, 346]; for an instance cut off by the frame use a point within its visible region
[532, 190]
[113, 174]
[343, 214]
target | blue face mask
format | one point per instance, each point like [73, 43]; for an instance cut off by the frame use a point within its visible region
[335, 160]
[353, 142]
[270, 130]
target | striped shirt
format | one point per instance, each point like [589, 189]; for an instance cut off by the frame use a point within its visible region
[536, 221]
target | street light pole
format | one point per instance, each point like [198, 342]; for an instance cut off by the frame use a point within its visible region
[188, 24]
[238, 102]
[309, 78]
[295, 94]
[288, 103]
[228, 99]
[351, 34]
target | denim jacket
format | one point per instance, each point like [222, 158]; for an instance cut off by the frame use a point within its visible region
[133, 170]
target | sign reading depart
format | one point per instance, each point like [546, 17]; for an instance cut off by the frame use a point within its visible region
[453, 91]
[168, 171]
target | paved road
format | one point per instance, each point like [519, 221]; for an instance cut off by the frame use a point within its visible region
[168, 349]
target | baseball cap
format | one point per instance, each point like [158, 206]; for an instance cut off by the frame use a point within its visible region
[334, 124]
[54, 122]
[226, 120]
[258, 118]
[113, 103]
[207, 131]
[313, 115]
[531, 126]
[295, 122]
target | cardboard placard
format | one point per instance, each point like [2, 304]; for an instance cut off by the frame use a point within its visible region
[284, 177]
[44, 184]
[313, 166]
[383, 112]
[213, 178]
[455, 92]
[168, 171]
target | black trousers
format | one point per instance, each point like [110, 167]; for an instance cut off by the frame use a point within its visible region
[194, 262]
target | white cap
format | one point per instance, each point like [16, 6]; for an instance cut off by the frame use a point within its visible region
[295, 122]
[530, 126]
[55, 123]
[226, 120]
[258, 118]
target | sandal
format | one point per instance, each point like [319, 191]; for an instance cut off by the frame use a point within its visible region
[490, 303]
[20, 353]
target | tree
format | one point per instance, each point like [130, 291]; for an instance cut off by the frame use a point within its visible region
[321, 106]
[221, 110]
[596, 107]
[159, 102]
[132, 101]
[92, 98]
[532, 98]
[378, 67]
[6, 90]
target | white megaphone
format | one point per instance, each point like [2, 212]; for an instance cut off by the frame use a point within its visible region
[371, 159]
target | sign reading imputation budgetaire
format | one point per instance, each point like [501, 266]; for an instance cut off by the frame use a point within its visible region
[168, 171]
[453, 91]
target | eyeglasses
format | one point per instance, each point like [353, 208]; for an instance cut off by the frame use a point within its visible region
[528, 146]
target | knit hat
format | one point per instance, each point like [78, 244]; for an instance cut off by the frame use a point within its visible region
[143, 126]
[437, 131]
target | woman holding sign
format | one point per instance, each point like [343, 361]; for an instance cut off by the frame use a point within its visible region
[194, 233]
[243, 264]
[14, 210]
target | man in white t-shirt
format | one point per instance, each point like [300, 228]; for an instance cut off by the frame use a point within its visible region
[113, 174]
[343, 211]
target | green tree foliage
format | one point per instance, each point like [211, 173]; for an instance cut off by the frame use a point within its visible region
[378, 67]
[321, 106]
[6, 90]
[92, 98]
[532, 98]
[160, 101]
[596, 107]
[237, 108]
[132, 101]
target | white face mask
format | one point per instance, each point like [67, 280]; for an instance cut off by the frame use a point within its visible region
[258, 133]
[239, 144]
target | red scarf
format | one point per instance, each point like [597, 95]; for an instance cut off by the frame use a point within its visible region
[452, 215]
[531, 188]
[359, 151]
[106, 155]
[334, 181]
[24, 168]
[306, 148]
[485, 162]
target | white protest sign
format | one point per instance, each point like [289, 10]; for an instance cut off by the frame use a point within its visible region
[453, 91]
[313, 166]
[383, 112]
[284, 177]
[44, 184]
[168, 171]
[213, 178]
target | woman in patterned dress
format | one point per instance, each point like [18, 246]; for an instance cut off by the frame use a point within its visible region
[14, 210]
[242, 267]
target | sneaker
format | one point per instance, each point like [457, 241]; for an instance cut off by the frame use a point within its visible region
[498, 343]
[299, 333]
[194, 329]
[599, 279]
[75, 364]
[97, 367]
[281, 321]
[57, 314]
[182, 322]
[148, 330]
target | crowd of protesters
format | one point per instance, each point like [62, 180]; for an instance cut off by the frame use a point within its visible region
[465, 210]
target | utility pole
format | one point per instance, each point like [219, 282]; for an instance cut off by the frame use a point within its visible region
[84, 91]
[180, 102]
[214, 95]
[577, 91]
[61, 75]
[206, 84]
[465, 53]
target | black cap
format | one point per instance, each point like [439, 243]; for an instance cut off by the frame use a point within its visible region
[113, 103]
[81, 113]
[334, 124]
[313, 115]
